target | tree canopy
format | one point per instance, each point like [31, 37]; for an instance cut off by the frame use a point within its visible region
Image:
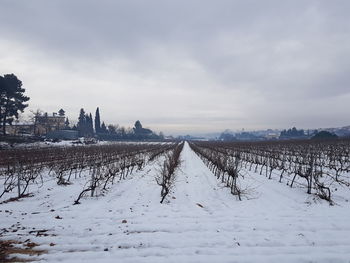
[12, 99]
[292, 133]
[324, 135]
[97, 121]
[61, 112]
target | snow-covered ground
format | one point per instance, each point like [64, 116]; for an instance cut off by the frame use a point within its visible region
[200, 222]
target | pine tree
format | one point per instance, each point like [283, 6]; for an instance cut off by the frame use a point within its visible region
[97, 121]
[12, 99]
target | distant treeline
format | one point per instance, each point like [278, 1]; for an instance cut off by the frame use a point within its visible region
[87, 126]
[292, 133]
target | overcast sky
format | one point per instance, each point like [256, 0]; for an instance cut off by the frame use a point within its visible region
[183, 66]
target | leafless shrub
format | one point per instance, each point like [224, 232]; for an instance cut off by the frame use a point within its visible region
[167, 175]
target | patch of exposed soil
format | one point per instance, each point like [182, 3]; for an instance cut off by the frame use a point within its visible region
[10, 247]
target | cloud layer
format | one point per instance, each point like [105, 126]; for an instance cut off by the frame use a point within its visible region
[183, 66]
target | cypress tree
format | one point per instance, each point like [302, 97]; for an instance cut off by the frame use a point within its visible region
[97, 121]
[87, 124]
[91, 125]
[81, 123]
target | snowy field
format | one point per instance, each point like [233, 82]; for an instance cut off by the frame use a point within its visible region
[200, 222]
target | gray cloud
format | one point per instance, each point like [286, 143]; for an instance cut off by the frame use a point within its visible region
[183, 66]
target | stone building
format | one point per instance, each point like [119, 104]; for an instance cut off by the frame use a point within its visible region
[44, 123]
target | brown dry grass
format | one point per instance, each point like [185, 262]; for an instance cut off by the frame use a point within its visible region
[8, 249]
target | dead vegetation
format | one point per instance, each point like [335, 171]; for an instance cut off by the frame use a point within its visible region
[167, 175]
[319, 166]
[10, 248]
